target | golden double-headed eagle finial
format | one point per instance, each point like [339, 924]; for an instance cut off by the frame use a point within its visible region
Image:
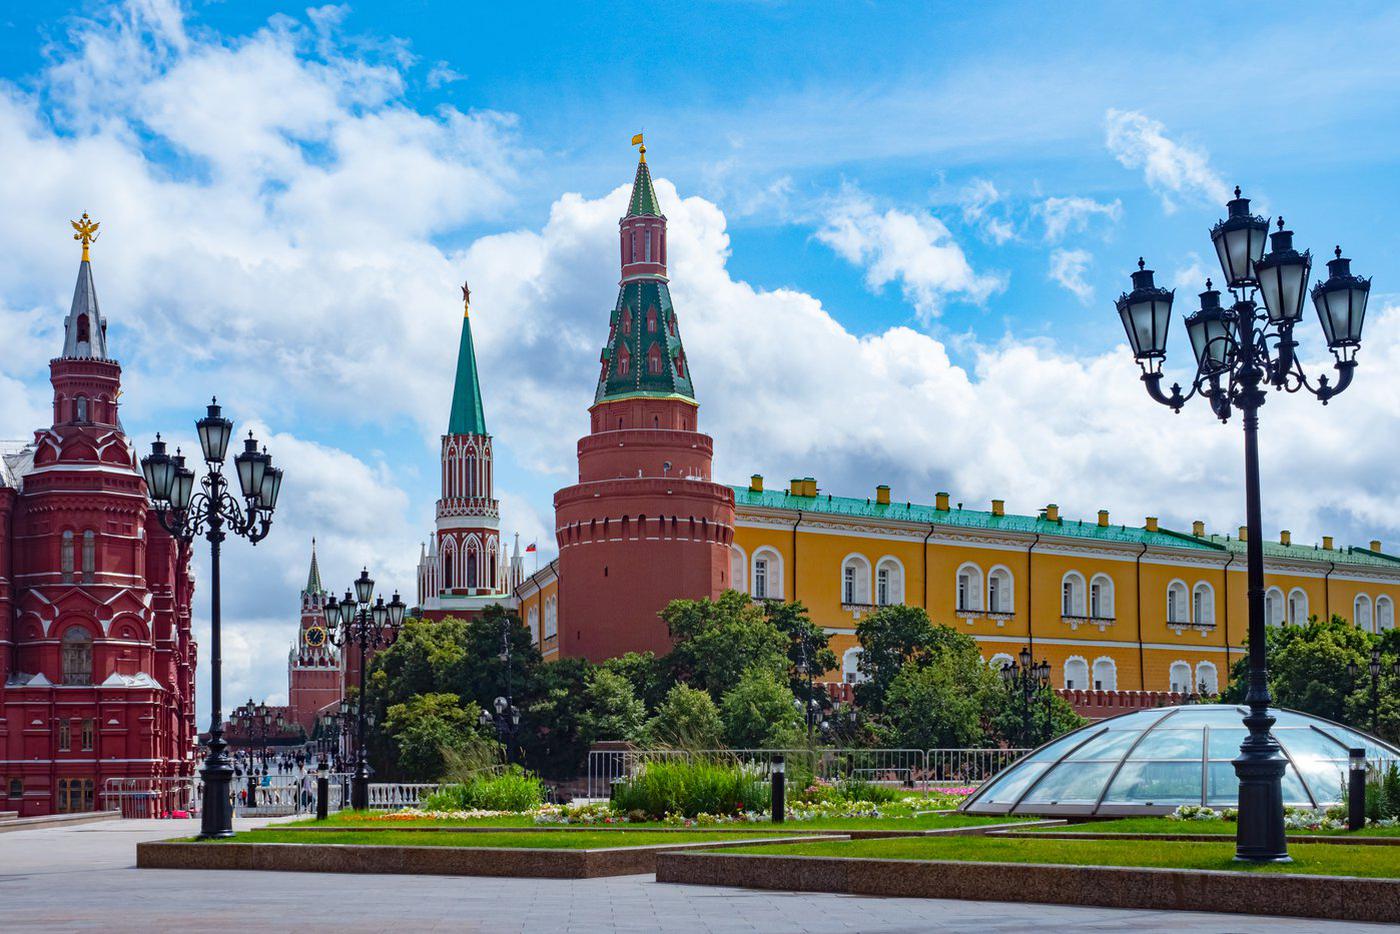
[466, 301]
[86, 232]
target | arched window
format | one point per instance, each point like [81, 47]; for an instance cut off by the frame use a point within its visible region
[850, 667]
[1072, 594]
[1297, 607]
[1207, 678]
[1273, 607]
[533, 620]
[969, 589]
[1361, 610]
[1203, 605]
[1001, 595]
[999, 661]
[1105, 674]
[738, 568]
[889, 582]
[1076, 674]
[1181, 681]
[449, 562]
[654, 360]
[80, 412]
[1101, 597]
[1177, 612]
[77, 656]
[1385, 614]
[65, 556]
[624, 363]
[855, 580]
[89, 556]
[651, 320]
[551, 616]
[767, 574]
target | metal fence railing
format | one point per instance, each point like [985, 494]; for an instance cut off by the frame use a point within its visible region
[155, 797]
[916, 769]
[390, 795]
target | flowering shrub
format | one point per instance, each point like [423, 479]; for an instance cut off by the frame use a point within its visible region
[1199, 812]
[408, 814]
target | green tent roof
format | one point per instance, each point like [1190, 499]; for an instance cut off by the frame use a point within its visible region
[643, 195]
[1351, 556]
[640, 304]
[468, 418]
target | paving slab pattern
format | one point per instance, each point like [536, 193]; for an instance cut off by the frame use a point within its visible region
[84, 878]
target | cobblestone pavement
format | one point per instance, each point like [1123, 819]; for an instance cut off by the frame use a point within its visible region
[84, 878]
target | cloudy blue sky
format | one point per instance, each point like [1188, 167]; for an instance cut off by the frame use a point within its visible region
[897, 230]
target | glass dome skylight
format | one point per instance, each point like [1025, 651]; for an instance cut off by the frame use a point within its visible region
[1152, 761]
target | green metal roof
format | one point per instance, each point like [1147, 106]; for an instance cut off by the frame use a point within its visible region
[630, 338]
[1363, 557]
[967, 518]
[313, 578]
[468, 417]
[643, 195]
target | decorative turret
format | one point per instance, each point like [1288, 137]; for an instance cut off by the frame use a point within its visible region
[645, 524]
[467, 417]
[85, 330]
[86, 381]
[643, 356]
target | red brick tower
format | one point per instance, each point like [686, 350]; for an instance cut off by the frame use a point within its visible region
[313, 665]
[96, 655]
[645, 524]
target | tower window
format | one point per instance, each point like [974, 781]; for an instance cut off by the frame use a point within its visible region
[626, 322]
[65, 557]
[77, 656]
[651, 320]
[89, 556]
[84, 333]
[80, 409]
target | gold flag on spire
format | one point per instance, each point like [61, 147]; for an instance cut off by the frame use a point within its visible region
[86, 232]
[637, 141]
[466, 301]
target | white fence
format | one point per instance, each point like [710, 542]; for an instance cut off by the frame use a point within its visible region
[391, 795]
[151, 797]
[917, 769]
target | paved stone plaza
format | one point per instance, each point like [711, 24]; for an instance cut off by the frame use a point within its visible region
[84, 878]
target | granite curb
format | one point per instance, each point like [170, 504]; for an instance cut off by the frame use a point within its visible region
[50, 820]
[1344, 898]
[523, 862]
[1186, 837]
[971, 830]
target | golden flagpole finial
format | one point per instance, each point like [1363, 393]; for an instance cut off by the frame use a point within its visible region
[86, 232]
[466, 301]
[637, 141]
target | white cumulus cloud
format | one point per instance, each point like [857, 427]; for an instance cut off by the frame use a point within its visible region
[1067, 267]
[1175, 170]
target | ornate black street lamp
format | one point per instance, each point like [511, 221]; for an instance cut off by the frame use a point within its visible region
[362, 620]
[1027, 677]
[1239, 351]
[1374, 668]
[214, 512]
[506, 720]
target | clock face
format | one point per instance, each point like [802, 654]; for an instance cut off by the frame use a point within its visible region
[315, 637]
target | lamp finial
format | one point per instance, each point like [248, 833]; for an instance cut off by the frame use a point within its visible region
[1142, 263]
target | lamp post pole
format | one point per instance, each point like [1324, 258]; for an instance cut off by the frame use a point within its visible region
[1240, 351]
[1375, 666]
[368, 623]
[213, 512]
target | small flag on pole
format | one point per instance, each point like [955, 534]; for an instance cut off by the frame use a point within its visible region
[637, 140]
[529, 548]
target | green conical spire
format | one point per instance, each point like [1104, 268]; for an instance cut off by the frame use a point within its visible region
[313, 577]
[468, 418]
[643, 195]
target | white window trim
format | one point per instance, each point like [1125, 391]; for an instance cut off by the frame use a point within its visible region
[1287, 614]
[1370, 613]
[1113, 666]
[976, 589]
[855, 560]
[1079, 597]
[1088, 673]
[1107, 602]
[1384, 598]
[773, 579]
[889, 563]
[1173, 684]
[1209, 603]
[736, 582]
[1281, 603]
[1214, 681]
[1186, 594]
[850, 666]
[1009, 591]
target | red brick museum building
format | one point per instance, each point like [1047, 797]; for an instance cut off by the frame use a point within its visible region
[97, 660]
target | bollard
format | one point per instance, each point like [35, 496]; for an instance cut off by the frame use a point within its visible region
[779, 806]
[323, 791]
[1356, 790]
[252, 791]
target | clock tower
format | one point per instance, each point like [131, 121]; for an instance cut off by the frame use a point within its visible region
[313, 666]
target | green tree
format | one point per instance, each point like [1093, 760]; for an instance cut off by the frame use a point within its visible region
[939, 703]
[1308, 672]
[758, 712]
[808, 646]
[686, 719]
[611, 710]
[890, 638]
[716, 641]
[1015, 722]
[647, 673]
[552, 735]
[426, 731]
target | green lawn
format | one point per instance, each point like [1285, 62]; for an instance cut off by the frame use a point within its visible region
[1317, 859]
[906, 822]
[582, 840]
[1223, 828]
